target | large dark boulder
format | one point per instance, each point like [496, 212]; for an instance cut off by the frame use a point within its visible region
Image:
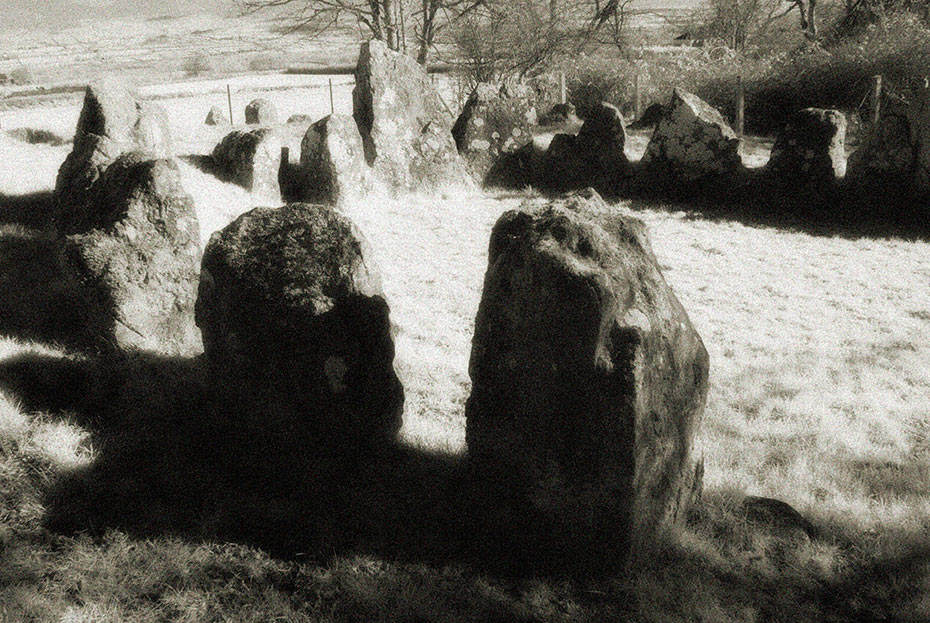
[588, 379]
[692, 143]
[594, 157]
[405, 126]
[332, 161]
[493, 123]
[136, 255]
[294, 320]
[811, 149]
[261, 112]
[113, 121]
[251, 160]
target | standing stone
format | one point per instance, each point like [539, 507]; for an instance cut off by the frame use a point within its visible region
[292, 314]
[811, 149]
[332, 160]
[692, 142]
[112, 121]
[894, 157]
[136, 253]
[594, 157]
[588, 379]
[405, 127]
[560, 114]
[300, 118]
[261, 112]
[216, 116]
[492, 124]
[886, 155]
[251, 160]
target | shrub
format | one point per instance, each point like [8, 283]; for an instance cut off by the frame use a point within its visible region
[197, 65]
[21, 75]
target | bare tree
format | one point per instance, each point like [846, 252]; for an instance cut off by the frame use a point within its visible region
[385, 20]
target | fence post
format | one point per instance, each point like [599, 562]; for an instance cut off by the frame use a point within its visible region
[562, 86]
[637, 97]
[740, 107]
[229, 101]
[876, 98]
[332, 106]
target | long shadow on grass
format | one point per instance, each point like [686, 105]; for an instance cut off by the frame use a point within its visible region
[174, 458]
[37, 301]
[840, 214]
[30, 210]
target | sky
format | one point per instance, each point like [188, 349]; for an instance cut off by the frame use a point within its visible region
[35, 13]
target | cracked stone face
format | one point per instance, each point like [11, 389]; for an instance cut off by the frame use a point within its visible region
[692, 140]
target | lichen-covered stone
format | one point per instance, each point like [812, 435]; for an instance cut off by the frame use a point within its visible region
[216, 116]
[692, 142]
[588, 379]
[811, 149]
[405, 127]
[293, 315]
[251, 160]
[261, 112]
[136, 253]
[492, 123]
[332, 161]
[113, 121]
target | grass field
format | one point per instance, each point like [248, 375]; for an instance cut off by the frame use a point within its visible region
[125, 496]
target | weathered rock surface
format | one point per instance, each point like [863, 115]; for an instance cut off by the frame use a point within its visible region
[405, 127]
[811, 149]
[894, 157]
[216, 116]
[300, 118]
[292, 314]
[251, 160]
[692, 142]
[332, 161]
[261, 112]
[560, 114]
[136, 253]
[594, 157]
[492, 123]
[112, 121]
[588, 379]
[650, 117]
[521, 168]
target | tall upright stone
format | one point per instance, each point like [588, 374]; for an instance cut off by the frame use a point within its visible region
[295, 323]
[894, 157]
[136, 254]
[405, 127]
[588, 379]
[493, 123]
[113, 121]
[692, 143]
[811, 149]
[332, 161]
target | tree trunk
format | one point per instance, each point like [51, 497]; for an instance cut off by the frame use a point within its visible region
[812, 18]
